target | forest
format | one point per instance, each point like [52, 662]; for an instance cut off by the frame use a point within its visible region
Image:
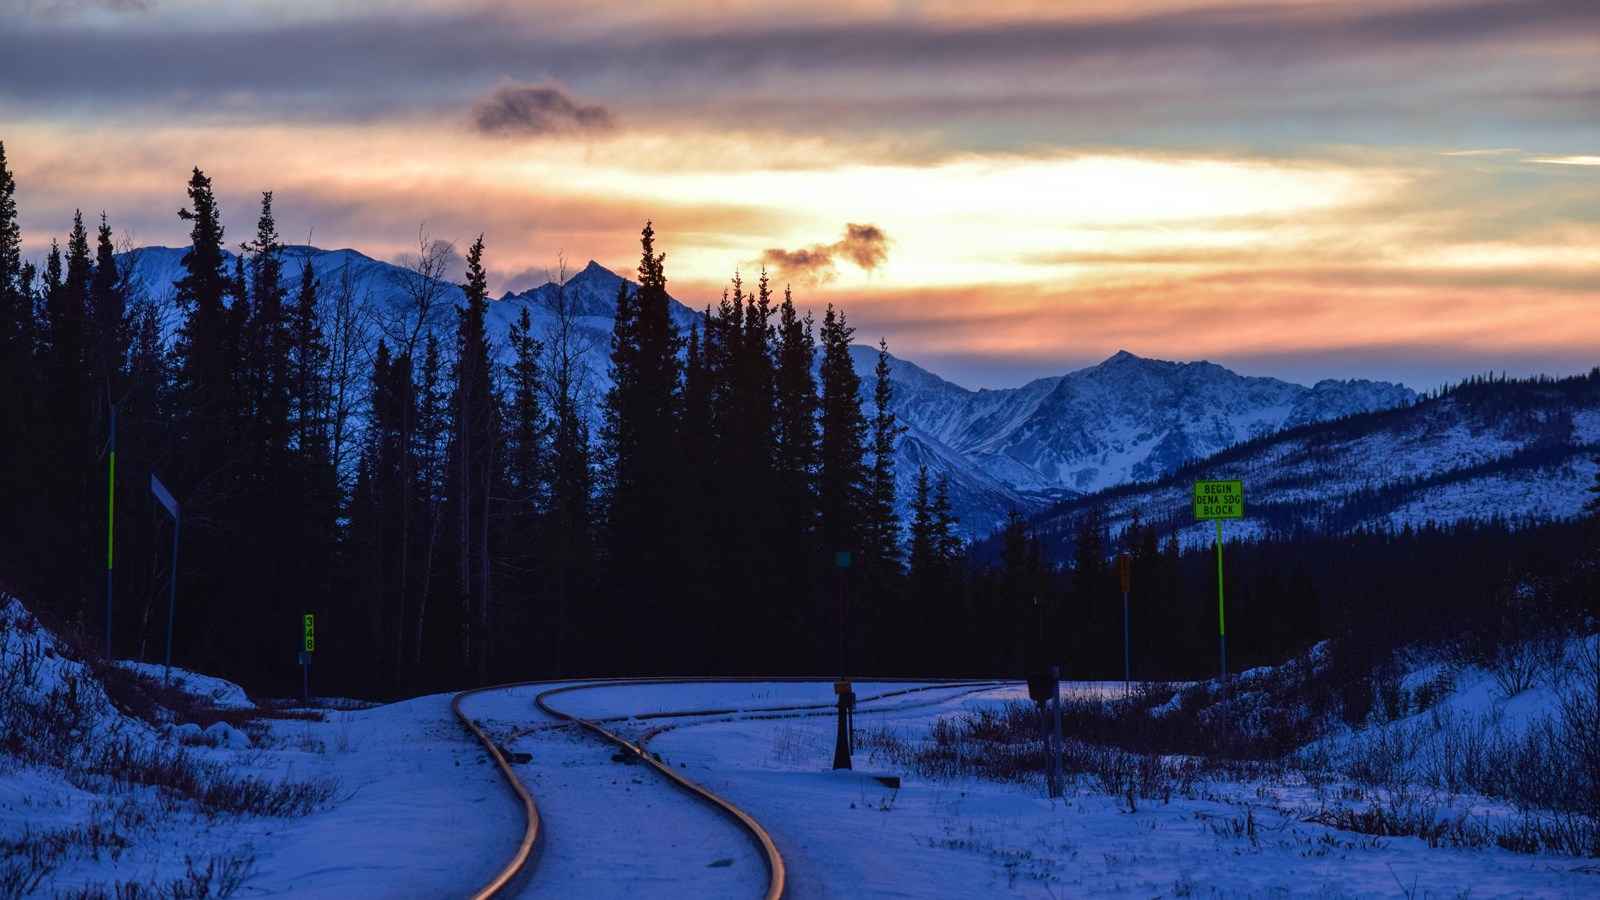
[726, 505]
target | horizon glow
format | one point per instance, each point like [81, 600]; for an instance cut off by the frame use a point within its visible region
[1404, 191]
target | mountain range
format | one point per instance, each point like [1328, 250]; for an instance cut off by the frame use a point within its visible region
[1516, 451]
[1125, 421]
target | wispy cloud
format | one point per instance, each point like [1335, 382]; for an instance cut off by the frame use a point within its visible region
[1568, 160]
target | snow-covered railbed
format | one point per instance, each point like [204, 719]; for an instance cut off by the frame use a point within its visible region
[849, 835]
[609, 825]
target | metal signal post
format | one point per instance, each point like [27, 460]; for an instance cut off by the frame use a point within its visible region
[1124, 569]
[171, 505]
[1220, 500]
[111, 524]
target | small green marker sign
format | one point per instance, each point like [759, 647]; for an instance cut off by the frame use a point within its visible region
[1219, 499]
[311, 634]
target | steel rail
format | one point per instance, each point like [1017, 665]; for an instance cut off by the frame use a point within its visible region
[530, 834]
[766, 713]
[530, 845]
[777, 875]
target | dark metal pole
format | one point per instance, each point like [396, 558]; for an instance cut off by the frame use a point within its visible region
[172, 597]
[1055, 708]
[1222, 631]
[111, 525]
[1127, 670]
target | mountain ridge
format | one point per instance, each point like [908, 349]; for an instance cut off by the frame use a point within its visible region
[1125, 419]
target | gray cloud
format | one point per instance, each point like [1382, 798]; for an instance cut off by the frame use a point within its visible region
[535, 110]
[864, 246]
[49, 8]
[1440, 73]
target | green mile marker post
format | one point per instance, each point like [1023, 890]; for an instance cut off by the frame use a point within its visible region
[1220, 500]
[310, 632]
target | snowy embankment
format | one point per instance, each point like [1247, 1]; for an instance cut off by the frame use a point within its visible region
[1449, 786]
[111, 786]
[967, 821]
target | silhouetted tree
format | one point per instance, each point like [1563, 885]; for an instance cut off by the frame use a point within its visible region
[639, 434]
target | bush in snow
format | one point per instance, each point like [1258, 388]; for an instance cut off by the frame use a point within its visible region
[55, 712]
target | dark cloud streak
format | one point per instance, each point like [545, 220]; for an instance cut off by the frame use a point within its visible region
[535, 110]
[53, 8]
[864, 246]
[377, 65]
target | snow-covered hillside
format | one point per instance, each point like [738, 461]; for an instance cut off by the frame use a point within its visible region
[110, 786]
[1126, 419]
[1507, 450]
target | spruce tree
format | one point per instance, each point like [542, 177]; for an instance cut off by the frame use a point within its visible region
[518, 507]
[63, 311]
[842, 475]
[313, 506]
[640, 420]
[207, 344]
[795, 422]
[525, 419]
[11, 287]
[109, 330]
[921, 551]
[65, 466]
[16, 321]
[475, 430]
[267, 382]
[883, 523]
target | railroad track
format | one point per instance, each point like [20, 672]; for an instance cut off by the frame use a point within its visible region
[519, 868]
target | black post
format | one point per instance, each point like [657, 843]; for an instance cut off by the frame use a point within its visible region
[111, 524]
[842, 740]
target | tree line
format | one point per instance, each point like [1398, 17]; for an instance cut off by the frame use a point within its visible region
[448, 518]
[456, 513]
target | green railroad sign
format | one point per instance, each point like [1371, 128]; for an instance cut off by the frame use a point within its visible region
[311, 634]
[1219, 499]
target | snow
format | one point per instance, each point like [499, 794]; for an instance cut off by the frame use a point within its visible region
[214, 692]
[419, 812]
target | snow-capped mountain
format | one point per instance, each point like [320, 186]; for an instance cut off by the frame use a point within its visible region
[1510, 450]
[1127, 419]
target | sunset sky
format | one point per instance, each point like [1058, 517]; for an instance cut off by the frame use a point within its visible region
[1397, 189]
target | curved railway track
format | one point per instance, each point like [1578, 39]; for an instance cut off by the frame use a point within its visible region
[519, 868]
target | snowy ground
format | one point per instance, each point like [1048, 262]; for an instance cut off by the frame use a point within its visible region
[418, 812]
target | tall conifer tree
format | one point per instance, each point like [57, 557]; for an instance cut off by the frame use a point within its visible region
[476, 431]
[640, 438]
[883, 523]
[842, 471]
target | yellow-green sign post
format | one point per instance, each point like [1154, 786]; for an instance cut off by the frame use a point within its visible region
[1220, 500]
